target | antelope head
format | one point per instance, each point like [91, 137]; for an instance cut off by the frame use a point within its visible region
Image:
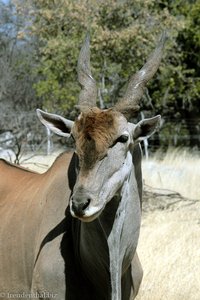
[104, 138]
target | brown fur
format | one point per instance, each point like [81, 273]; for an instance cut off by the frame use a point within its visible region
[95, 131]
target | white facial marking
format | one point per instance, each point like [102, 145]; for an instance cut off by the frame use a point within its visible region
[116, 180]
[126, 133]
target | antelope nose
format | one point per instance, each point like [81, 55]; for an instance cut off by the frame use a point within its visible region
[79, 206]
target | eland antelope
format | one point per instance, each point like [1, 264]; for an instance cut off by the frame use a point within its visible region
[72, 232]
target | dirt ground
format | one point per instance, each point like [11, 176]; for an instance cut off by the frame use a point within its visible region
[169, 247]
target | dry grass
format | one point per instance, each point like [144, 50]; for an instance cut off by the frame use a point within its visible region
[169, 245]
[169, 250]
[39, 163]
[179, 171]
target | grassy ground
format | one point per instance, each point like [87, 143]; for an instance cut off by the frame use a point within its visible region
[178, 170]
[169, 250]
[169, 245]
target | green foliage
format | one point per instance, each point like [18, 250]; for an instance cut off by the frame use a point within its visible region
[187, 72]
[182, 101]
[123, 34]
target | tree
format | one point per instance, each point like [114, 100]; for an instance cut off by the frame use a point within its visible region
[189, 41]
[180, 103]
[123, 34]
[16, 61]
[17, 96]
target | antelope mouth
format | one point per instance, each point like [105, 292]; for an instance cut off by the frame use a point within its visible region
[89, 215]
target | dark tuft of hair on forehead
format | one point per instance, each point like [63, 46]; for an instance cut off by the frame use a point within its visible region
[96, 121]
[96, 130]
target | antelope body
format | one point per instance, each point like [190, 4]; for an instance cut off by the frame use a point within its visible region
[72, 232]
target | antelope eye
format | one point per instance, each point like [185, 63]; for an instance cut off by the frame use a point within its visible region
[123, 138]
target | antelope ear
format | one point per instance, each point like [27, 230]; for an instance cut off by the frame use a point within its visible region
[145, 128]
[55, 123]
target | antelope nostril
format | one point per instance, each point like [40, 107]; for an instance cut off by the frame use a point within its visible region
[79, 206]
[86, 204]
